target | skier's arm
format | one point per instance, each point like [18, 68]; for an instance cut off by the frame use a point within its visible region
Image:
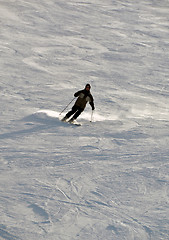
[92, 105]
[77, 93]
[92, 102]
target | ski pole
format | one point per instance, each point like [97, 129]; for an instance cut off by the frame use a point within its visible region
[92, 116]
[67, 106]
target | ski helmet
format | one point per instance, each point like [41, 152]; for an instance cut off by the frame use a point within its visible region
[88, 85]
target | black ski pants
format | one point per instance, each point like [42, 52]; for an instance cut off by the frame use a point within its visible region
[76, 110]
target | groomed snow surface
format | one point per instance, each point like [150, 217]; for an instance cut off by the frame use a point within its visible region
[107, 179]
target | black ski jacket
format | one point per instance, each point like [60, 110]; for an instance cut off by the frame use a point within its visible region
[84, 97]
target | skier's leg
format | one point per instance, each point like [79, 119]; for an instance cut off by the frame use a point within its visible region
[78, 112]
[71, 112]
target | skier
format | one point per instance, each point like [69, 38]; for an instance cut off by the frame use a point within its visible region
[84, 96]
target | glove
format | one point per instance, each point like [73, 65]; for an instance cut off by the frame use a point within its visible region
[93, 108]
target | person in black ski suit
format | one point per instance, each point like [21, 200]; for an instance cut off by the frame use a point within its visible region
[84, 96]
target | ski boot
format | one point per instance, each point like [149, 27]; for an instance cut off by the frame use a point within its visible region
[71, 120]
[64, 119]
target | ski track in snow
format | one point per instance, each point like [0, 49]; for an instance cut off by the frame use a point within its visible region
[107, 179]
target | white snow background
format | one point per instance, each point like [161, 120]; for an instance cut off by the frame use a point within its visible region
[105, 180]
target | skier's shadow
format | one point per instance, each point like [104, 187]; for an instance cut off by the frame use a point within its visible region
[33, 123]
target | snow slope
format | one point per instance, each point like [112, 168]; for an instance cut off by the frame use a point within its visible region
[103, 180]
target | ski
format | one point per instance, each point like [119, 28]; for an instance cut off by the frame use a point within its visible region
[72, 123]
[75, 123]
